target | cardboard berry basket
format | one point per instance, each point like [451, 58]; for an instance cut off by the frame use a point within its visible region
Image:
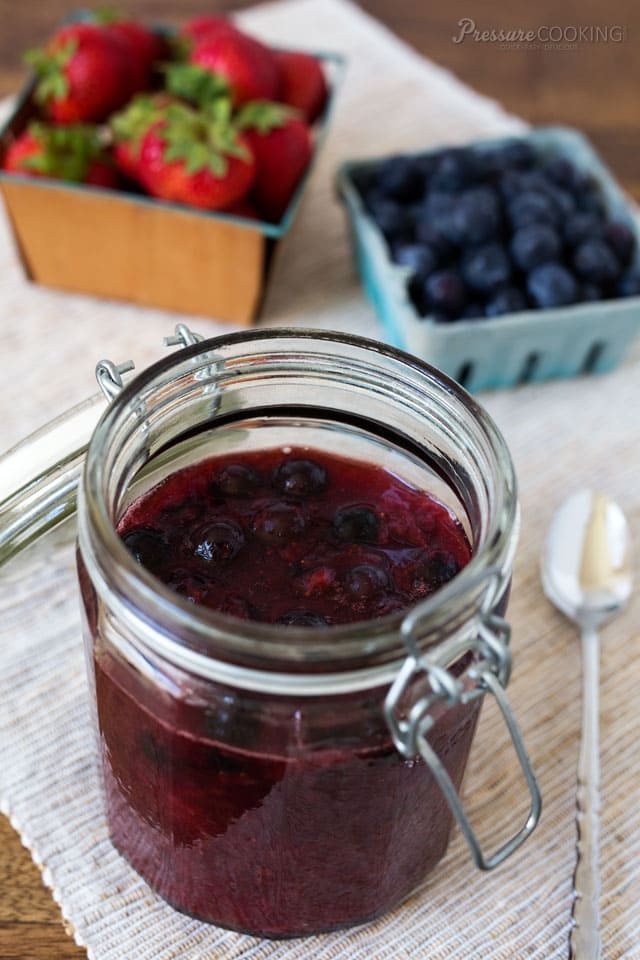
[130, 246]
[500, 351]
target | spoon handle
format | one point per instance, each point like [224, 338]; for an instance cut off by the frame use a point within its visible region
[585, 934]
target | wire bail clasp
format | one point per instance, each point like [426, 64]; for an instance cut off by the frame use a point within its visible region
[109, 377]
[487, 672]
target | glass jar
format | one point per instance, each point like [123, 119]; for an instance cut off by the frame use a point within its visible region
[284, 782]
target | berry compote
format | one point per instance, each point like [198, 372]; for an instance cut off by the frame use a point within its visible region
[274, 814]
[295, 538]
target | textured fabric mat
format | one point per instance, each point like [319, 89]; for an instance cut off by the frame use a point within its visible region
[562, 435]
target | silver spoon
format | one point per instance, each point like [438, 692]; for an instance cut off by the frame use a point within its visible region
[586, 574]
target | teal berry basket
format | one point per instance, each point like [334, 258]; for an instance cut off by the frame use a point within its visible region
[494, 352]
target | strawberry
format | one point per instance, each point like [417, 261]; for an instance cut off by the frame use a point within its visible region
[84, 74]
[197, 158]
[249, 68]
[129, 126]
[64, 153]
[144, 48]
[281, 144]
[302, 83]
[206, 27]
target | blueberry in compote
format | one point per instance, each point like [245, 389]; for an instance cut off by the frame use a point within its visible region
[219, 541]
[356, 523]
[366, 581]
[148, 546]
[300, 478]
[236, 480]
[278, 523]
[297, 530]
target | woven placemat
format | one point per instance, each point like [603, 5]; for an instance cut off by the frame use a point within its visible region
[562, 435]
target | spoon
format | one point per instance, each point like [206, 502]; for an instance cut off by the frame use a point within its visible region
[586, 574]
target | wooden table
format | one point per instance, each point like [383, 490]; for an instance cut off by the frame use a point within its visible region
[592, 86]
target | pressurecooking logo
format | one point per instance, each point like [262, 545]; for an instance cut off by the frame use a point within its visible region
[563, 36]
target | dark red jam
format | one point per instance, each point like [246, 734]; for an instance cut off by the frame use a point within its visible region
[295, 538]
[275, 815]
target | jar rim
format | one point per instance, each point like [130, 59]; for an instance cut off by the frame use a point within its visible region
[138, 594]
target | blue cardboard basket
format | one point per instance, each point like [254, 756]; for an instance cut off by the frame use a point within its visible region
[531, 345]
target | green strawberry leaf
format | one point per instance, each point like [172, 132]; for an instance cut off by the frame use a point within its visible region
[132, 123]
[192, 83]
[193, 139]
[52, 86]
[264, 116]
[179, 46]
[53, 83]
[66, 151]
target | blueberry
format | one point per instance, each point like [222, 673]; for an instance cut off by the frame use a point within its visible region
[530, 208]
[219, 541]
[236, 480]
[472, 311]
[148, 547]
[581, 226]
[591, 292]
[401, 179]
[300, 478]
[437, 202]
[428, 234]
[426, 163]
[189, 585]
[620, 238]
[445, 292]
[594, 261]
[356, 523]
[365, 180]
[515, 155]
[487, 268]
[551, 285]
[302, 618]
[435, 569]
[564, 202]
[533, 245]
[418, 257]
[506, 300]
[590, 201]
[476, 217]
[391, 219]
[366, 581]
[562, 172]
[279, 522]
[512, 183]
[455, 169]
[629, 283]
